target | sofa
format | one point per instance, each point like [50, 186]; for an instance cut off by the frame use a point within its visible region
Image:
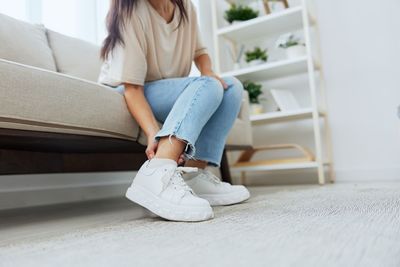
[55, 117]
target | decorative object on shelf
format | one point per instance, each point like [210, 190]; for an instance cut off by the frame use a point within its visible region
[294, 48]
[239, 13]
[284, 99]
[244, 160]
[254, 90]
[256, 56]
[273, 5]
[236, 56]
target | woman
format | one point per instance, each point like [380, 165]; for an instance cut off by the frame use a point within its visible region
[147, 54]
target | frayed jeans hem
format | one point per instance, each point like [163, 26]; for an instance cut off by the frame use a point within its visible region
[189, 151]
[210, 162]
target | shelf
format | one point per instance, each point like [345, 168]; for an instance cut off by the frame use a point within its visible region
[271, 70]
[276, 23]
[275, 167]
[282, 116]
[278, 167]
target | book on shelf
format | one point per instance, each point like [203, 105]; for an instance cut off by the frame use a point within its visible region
[285, 100]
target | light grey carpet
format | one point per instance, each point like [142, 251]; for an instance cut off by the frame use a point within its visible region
[336, 225]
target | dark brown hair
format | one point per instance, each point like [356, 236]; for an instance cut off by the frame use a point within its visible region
[119, 13]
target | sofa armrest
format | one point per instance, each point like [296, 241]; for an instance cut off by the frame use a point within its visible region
[38, 99]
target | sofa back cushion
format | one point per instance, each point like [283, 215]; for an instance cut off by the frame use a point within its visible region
[25, 43]
[75, 57]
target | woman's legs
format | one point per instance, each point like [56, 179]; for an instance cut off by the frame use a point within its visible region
[209, 149]
[211, 142]
[170, 148]
[184, 106]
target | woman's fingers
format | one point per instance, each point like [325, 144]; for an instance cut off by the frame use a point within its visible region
[181, 159]
[213, 75]
[224, 84]
[150, 154]
[151, 150]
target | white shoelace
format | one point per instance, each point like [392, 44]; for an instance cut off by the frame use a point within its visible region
[175, 178]
[210, 176]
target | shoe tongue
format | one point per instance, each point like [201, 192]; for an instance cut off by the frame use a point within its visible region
[168, 163]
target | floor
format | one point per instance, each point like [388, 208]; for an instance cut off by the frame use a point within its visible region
[333, 225]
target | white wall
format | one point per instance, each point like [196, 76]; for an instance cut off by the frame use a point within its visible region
[81, 19]
[360, 55]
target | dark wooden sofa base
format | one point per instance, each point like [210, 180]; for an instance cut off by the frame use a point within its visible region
[31, 152]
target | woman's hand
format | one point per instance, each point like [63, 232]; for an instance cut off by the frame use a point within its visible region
[213, 75]
[141, 111]
[203, 63]
[152, 146]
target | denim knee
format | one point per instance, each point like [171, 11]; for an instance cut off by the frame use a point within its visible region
[214, 90]
[235, 89]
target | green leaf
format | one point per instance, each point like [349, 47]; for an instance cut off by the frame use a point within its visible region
[255, 54]
[254, 90]
[240, 13]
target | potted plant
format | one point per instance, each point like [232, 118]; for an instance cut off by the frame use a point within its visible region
[239, 13]
[256, 56]
[294, 48]
[254, 90]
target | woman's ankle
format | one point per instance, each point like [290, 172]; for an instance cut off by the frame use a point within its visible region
[170, 148]
[196, 163]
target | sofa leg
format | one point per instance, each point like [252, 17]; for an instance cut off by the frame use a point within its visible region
[225, 173]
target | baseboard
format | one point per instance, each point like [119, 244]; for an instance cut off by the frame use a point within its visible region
[20, 191]
[289, 177]
[387, 174]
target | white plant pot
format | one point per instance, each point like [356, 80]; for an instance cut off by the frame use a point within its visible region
[235, 22]
[256, 109]
[256, 62]
[295, 51]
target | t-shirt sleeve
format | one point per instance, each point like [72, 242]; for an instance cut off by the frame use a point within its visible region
[127, 62]
[200, 47]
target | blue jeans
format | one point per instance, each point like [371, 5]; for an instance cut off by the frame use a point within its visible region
[196, 110]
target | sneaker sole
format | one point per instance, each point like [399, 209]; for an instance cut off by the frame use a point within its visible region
[226, 199]
[167, 210]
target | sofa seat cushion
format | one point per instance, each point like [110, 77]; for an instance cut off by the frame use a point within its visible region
[40, 100]
[25, 43]
[75, 57]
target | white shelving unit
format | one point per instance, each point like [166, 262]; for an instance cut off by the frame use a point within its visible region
[271, 70]
[288, 20]
[284, 21]
[269, 117]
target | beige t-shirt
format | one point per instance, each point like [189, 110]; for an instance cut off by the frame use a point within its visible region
[154, 49]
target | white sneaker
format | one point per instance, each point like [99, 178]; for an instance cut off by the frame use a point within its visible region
[163, 191]
[206, 185]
